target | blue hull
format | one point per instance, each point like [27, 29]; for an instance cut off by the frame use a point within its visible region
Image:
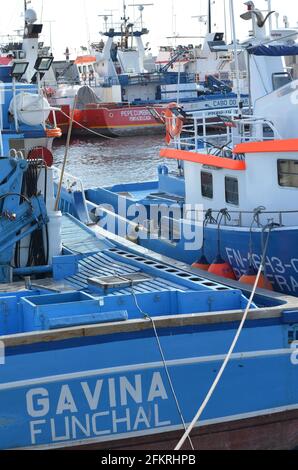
[86, 390]
[281, 259]
[282, 253]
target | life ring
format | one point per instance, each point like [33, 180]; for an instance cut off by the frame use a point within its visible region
[54, 132]
[174, 124]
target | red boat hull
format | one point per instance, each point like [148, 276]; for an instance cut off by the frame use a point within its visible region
[278, 431]
[111, 121]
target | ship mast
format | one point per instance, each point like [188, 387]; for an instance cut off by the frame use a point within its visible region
[209, 17]
[124, 28]
[125, 19]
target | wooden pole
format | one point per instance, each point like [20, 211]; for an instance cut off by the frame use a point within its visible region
[67, 147]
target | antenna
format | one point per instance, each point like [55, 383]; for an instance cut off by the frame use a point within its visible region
[202, 19]
[206, 19]
[125, 19]
[209, 17]
[235, 43]
[141, 7]
[286, 21]
[26, 3]
[50, 22]
[111, 14]
[225, 21]
[105, 19]
[277, 20]
[270, 17]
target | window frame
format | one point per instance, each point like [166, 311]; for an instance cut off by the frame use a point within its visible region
[226, 192]
[280, 175]
[208, 173]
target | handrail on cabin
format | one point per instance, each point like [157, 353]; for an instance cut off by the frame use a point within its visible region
[198, 129]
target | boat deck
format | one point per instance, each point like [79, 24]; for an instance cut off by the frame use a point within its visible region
[103, 265]
[77, 239]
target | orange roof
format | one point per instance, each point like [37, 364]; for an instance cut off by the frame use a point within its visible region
[204, 159]
[85, 59]
[269, 146]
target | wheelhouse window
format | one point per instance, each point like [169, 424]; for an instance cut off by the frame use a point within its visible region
[232, 191]
[207, 184]
[288, 173]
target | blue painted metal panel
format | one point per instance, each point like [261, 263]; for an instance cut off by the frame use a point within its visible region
[41, 401]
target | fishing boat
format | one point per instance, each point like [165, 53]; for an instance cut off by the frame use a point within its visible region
[233, 184]
[117, 96]
[24, 116]
[25, 111]
[106, 346]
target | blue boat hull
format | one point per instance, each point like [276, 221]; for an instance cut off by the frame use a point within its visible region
[282, 253]
[281, 259]
[95, 389]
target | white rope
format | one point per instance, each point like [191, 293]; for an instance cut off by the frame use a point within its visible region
[87, 128]
[228, 357]
[148, 317]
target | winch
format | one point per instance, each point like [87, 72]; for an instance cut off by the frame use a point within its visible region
[30, 229]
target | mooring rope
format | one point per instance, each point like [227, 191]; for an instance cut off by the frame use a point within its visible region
[179, 409]
[231, 350]
[87, 128]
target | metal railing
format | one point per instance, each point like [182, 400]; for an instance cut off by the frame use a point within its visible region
[70, 182]
[199, 131]
[236, 218]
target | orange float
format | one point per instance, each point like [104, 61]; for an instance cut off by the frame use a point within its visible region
[221, 268]
[55, 132]
[202, 264]
[250, 278]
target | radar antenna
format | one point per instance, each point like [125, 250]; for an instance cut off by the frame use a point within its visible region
[141, 7]
[106, 20]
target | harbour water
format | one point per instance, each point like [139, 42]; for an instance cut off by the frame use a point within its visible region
[104, 162]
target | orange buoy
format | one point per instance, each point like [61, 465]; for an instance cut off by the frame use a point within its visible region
[202, 264]
[250, 278]
[54, 132]
[221, 268]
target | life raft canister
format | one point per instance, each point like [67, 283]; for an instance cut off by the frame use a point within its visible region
[174, 124]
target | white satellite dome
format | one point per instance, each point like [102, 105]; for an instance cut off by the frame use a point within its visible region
[30, 16]
[31, 109]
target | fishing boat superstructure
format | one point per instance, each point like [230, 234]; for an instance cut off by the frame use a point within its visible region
[236, 177]
[118, 96]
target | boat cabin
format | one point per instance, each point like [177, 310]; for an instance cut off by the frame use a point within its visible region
[249, 167]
